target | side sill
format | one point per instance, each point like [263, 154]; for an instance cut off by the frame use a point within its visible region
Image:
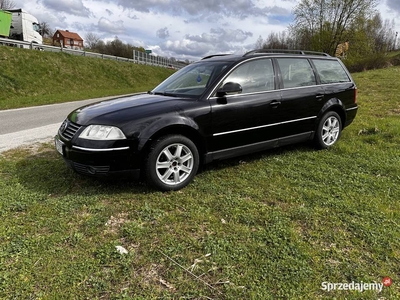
[257, 147]
[298, 138]
[242, 150]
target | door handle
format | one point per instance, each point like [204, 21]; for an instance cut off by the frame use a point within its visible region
[275, 103]
[319, 97]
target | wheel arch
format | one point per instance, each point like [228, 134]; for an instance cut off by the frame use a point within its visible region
[176, 129]
[335, 105]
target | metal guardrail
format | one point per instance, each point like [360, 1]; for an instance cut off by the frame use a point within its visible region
[138, 57]
[148, 59]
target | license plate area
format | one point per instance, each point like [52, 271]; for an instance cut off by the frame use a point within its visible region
[59, 146]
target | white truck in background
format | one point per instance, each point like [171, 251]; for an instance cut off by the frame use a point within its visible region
[23, 26]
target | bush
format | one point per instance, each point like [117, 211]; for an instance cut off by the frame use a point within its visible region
[372, 62]
[395, 61]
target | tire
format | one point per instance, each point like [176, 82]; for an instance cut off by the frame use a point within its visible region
[172, 163]
[328, 131]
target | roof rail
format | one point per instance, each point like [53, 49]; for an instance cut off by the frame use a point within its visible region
[277, 51]
[207, 57]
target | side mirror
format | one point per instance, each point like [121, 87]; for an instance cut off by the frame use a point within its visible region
[229, 88]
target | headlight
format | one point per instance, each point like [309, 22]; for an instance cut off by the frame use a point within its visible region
[101, 132]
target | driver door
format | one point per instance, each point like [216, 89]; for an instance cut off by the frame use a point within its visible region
[247, 119]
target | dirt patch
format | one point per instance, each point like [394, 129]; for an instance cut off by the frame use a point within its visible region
[114, 223]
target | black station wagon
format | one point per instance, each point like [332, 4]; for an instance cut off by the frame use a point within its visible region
[219, 107]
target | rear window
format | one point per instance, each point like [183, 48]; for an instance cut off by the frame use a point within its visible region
[330, 71]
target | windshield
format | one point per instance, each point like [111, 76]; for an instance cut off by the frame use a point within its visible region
[192, 80]
[36, 27]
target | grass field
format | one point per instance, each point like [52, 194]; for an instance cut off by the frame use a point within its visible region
[30, 78]
[275, 225]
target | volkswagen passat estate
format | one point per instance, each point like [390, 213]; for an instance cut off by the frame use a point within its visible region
[219, 107]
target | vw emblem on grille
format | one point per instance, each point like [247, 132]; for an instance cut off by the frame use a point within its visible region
[63, 126]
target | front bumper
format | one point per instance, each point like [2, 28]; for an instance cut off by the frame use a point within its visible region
[99, 162]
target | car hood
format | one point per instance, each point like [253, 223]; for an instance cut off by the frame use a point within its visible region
[119, 111]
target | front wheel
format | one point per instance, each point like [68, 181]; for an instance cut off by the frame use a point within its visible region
[172, 163]
[328, 131]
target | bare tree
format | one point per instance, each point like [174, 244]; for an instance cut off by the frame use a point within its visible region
[260, 43]
[91, 40]
[277, 41]
[7, 4]
[372, 35]
[45, 30]
[321, 24]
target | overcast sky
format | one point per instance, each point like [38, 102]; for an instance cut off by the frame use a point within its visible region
[184, 29]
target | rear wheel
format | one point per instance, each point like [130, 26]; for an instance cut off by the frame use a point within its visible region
[328, 131]
[172, 162]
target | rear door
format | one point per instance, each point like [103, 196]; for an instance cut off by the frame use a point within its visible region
[302, 98]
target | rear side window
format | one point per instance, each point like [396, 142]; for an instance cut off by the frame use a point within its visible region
[330, 71]
[296, 72]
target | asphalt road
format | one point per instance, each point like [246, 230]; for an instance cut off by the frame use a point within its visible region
[25, 126]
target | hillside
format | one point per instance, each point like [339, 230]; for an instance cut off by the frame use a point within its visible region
[30, 78]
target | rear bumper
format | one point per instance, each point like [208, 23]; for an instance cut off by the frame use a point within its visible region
[350, 115]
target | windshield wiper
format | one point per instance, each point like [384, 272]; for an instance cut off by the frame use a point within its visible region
[164, 94]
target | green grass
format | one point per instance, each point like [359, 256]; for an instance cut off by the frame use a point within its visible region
[274, 225]
[394, 53]
[30, 78]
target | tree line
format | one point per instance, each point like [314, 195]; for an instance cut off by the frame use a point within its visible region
[319, 25]
[115, 47]
[7, 4]
[93, 43]
[326, 25]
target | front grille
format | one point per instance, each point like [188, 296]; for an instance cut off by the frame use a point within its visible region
[90, 170]
[68, 129]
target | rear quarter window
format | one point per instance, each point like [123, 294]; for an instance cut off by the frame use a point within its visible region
[330, 71]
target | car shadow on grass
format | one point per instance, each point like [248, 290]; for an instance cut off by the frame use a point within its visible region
[44, 171]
